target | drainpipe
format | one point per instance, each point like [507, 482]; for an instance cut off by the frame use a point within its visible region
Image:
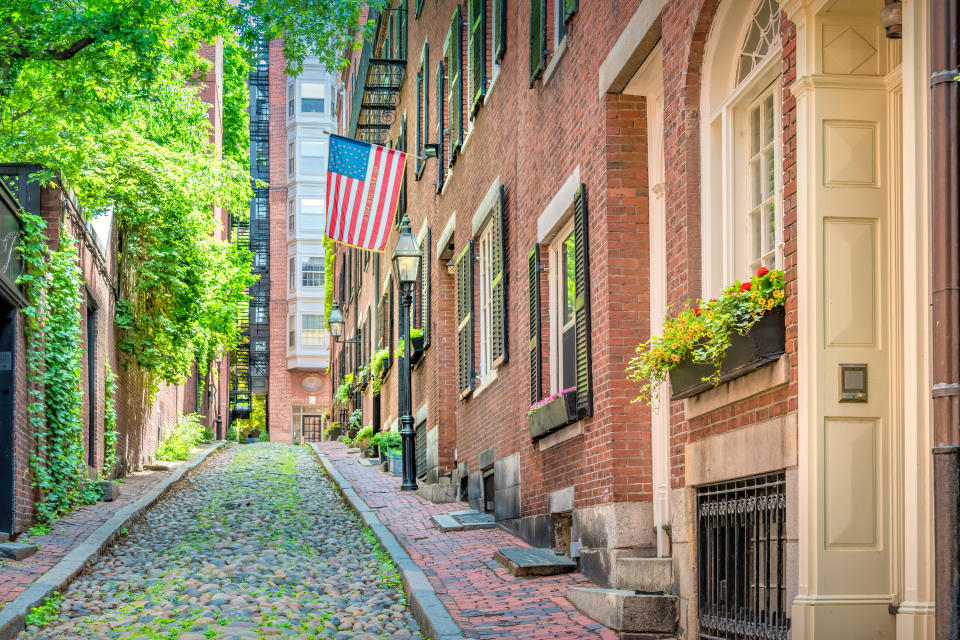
[945, 144]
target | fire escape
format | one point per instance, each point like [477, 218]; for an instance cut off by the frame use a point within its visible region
[382, 66]
[251, 360]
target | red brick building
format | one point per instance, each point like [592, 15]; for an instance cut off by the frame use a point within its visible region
[584, 168]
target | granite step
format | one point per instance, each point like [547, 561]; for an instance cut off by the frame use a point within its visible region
[650, 575]
[16, 551]
[627, 611]
[533, 561]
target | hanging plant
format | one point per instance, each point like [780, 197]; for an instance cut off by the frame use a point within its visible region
[345, 389]
[376, 370]
[109, 421]
[702, 332]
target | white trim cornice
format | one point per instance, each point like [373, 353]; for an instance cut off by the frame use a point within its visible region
[805, 84]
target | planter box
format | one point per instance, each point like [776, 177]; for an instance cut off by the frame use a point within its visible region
[416, 350]
[559, 413]
[333, 434]
[396, 465]
[764, 343]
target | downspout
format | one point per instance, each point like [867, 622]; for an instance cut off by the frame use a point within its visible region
[945, 162]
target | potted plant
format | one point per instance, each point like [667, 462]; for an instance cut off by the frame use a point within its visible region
[416, 345]
[354, 423]
[555, 411]
[332, 432]
[715, 341]
[390, 450]
[377, 370]
[373, 448]
[363, 440]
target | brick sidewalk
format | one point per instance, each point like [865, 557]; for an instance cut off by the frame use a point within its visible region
[483, 598]
[71, 530]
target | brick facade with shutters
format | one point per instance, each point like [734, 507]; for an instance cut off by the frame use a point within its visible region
[542, 130]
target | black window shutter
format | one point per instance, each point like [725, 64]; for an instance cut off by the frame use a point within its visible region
[581, 305]
[380, 318]
[455, 82]
[533, 282]
[418, 9]
[423, 115]
[500, 17]
[441, 167]
[465, 319]
[570, 7]
[498, 284]
[425, 289]
[402, 200]
[538, 37]
[477, 49]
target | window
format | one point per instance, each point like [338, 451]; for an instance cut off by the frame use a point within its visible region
[563, 10]
[291, 215]
[291, 103]
[312, 333]
[260, 345]
[312, 271]
[312, 96]
[499, 33]
[477, 52]
[563, 294]
[453, 54]
[486, 308]
[292, 329]
[292, 275]
[291, 164]
[312, 156]
[312, 213]
[742, 156]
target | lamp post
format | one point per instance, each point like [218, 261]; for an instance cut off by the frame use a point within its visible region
[406, 264]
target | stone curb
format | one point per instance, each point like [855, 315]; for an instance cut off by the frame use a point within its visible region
[87, 552]
[435, 621]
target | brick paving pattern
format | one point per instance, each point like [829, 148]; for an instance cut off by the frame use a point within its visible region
[484, 599]
[70, 531]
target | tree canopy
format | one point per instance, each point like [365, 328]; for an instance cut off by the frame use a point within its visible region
[106, 95]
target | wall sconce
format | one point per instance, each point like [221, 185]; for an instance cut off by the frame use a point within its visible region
[451, 267]
[891, 17]
[430, 150]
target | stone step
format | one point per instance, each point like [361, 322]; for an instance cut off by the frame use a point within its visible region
[4, 536]
[533, 561]
[17, 551]
[650, 575]
[438, 493]
[446, 523]
[626, 610]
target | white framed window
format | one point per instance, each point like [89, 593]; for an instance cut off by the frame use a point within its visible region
[313, 213]
[563, 370]
[559, 23]
[292, 330]
[291, 160]
[742, 174]
[312, 156]
[312, 271]
[485, 269]
[292, 274]
[312, 333]
[291, 102]
[312, 97]
[291, 215]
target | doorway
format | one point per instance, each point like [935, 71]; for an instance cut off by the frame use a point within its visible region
[312, 428]
[7, 404]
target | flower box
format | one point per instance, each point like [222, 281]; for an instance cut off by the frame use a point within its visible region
[763, 343]
[416, 352]
[396, 465]
[559, 412]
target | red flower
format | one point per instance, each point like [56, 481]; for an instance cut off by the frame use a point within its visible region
[762, 271]
[745, 286]
[696, 311]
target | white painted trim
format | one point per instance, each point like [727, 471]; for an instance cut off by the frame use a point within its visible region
[629, 42]
[555, 60]
[553, 215]
[483, 212]
[447, 233]
[488, 380]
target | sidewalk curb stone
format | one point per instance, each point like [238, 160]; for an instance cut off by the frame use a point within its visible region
[87, 552]
[435, 621]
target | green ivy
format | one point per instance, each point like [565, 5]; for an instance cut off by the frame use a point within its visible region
[343, 391]
[329, 256]
[109, 420]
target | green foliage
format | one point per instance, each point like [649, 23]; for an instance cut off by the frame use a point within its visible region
[264, 436]
[329, 257]
[344, 390]
[236, 100]
[109, 421]
[207, 434]
[376, 370]
[390, 441]
[366, 432]
[256, 422]
[414, 333]
[233, 433]
[185, 434]
[355, 423]
[38, 530]
[330, 427]
[46, 613]
[701, 332]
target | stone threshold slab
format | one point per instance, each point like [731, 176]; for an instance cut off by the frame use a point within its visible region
[88, 551]
[533, 561]
[434, 619]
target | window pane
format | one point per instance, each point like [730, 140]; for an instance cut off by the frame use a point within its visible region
[311, 105]
[569, 283]
[772, 225]
[311, 330]
[755, 129]
[756, 188]
[769, 173]
[755, 234]
[292, 276]
[312, 270]
[312, 156]
[313, 90]
[312, 213]
[768, 119]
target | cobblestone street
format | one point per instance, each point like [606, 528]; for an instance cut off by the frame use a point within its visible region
[256, 543]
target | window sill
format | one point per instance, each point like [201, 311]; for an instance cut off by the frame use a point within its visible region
[754, 383]
[486, 382]
[555, 61]
[569, 432]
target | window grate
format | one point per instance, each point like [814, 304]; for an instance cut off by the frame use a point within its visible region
[421, 449]
[741, 559]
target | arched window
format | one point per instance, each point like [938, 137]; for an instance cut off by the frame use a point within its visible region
[742, 167]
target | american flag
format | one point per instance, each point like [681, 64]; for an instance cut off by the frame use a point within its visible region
[363, 189]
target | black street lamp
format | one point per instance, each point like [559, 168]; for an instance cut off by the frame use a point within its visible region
[406, 264]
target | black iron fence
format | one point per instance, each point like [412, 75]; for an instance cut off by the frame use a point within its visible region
[741, 559]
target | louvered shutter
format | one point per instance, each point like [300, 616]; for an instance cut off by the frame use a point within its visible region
[498, 283]
[423, 115]
[569, 8]
[441, 167]
[533, 285]
[581, 305]
[465, 320]
[538, 33]
[425, 289]
[418, 9]
[455, 82]
[477, 48]
[402, 200]
[500, 19]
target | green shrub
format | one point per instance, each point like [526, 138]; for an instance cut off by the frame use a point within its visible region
[207, 434]
[232, 434]
[366, 432]
[390, 441]
[187, 433]
[264, 436]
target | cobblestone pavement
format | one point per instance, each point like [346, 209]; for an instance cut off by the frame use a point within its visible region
[70, 531]
[483, 598]
[255, 543]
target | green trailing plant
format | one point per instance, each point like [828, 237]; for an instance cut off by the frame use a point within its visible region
[414, 333]
[329, 257]
[185, 434]
[109, 420]
[54, 291]
[345, 389]
[355, 421]
[701, 332]
[330, 427]
[376, 370]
